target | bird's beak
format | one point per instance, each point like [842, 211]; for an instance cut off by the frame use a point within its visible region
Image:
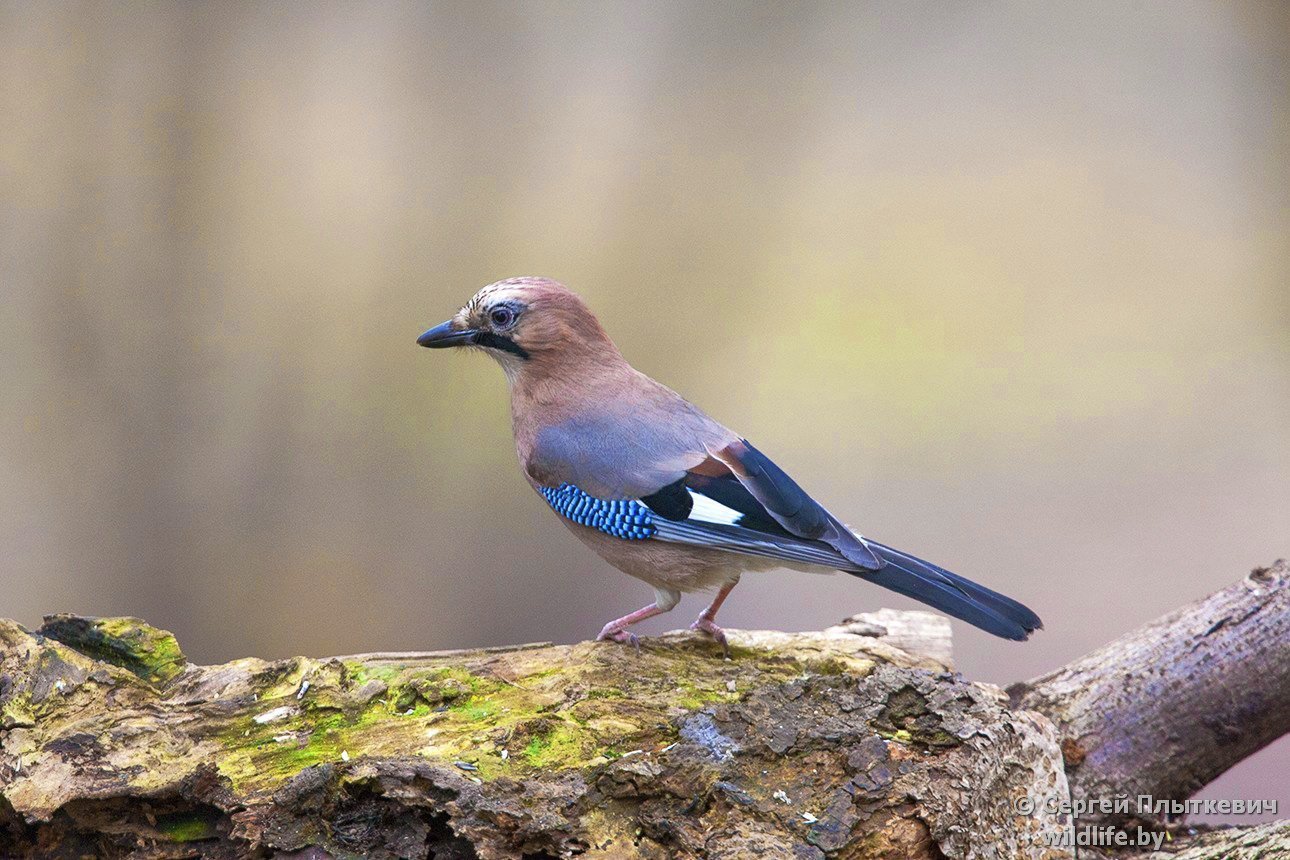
[445, 335]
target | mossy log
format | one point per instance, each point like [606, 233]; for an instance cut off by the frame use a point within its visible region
[808, 745]
[798, 746]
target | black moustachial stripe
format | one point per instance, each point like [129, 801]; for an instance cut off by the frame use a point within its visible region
[497, 341]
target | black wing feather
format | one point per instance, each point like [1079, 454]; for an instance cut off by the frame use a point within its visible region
[672, 502]
[727, 490]
[790, 505]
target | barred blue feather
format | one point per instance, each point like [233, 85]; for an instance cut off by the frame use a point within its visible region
[623, 518]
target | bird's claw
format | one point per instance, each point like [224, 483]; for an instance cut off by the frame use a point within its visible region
[707, 625]
[625, 636]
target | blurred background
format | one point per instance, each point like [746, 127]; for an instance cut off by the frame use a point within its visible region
[1007, 285]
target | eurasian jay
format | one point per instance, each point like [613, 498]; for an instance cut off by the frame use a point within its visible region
[656, 487]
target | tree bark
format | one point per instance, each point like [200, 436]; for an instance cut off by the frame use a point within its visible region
[1265, 842]
[809, 745]
[1164, 710]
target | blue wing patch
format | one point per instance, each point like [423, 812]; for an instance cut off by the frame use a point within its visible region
[623, 518]
[710, 525]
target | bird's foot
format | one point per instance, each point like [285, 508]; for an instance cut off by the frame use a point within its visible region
[707, 625]
[612, 634]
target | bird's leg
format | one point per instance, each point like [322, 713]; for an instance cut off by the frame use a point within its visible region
[707, 620]
[664, 600]
[617, 629]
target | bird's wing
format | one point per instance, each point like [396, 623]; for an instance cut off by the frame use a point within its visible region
[779, 497]
[751, 502]
[706, 486]
[681, 514]
[633, 449]
[738, 501]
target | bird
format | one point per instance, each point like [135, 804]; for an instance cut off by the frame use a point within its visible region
[659, 489]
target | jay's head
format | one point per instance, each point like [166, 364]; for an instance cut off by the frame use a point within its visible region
[522, 322]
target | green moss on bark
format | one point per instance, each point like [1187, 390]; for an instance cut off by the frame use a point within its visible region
[148, 652]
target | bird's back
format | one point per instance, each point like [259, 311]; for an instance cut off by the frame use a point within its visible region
[614, 433]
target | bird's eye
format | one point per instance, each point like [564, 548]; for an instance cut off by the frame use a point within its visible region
[502, 317]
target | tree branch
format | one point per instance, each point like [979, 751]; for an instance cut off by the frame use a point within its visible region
[1165, 709]
[1263, 842]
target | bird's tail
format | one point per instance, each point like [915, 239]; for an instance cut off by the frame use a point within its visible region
[950, 593]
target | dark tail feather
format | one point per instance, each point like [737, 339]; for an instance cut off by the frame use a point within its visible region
[951, 593]
[1013, 609]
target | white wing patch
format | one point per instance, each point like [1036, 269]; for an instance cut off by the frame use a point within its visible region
[708, 510]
